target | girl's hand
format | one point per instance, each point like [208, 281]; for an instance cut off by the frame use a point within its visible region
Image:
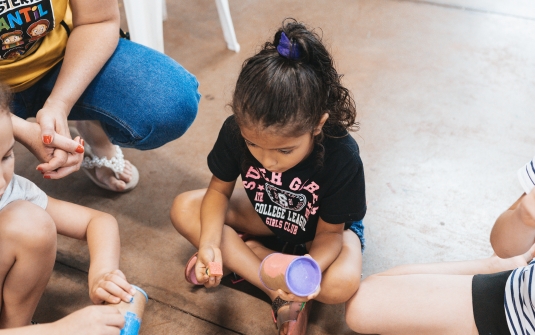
[92, 320]
[292, 297]
[205, 256]
[111, 287]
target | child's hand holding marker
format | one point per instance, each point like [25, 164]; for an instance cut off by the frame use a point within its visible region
[111, 287]
[209, 266]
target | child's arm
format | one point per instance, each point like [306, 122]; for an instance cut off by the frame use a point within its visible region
[327, 243]
[106, 282]
[213, 210]
[514, 231]
[324, 249]
[92, 320]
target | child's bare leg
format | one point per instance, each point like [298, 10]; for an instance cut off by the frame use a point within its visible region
[431, 298]
[259, 249]
[237, 256]
[492, 264]
[27, 255]
[413, 304]
[342, 279]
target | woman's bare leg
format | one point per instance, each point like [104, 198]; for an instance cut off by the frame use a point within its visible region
[27, 255]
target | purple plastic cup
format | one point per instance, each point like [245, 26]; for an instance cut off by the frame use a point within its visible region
[299, 275]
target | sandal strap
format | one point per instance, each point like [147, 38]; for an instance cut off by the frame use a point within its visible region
[277, 304]
[116, 163]
[291, 314]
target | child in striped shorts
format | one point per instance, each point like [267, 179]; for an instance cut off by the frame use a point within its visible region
[488, 296]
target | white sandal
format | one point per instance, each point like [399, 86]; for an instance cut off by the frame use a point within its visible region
[116, 164]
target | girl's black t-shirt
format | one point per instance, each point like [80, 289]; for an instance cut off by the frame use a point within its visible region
[291, 202]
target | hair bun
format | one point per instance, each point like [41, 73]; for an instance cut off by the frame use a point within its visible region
[288, 49]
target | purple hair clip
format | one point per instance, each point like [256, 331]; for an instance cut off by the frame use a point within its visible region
[288, 49]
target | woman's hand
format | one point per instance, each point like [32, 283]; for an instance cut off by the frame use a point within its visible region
[92, 320]
[52, 119]
[59, 158]
[205, 256]
[111, 287]
[54, 132]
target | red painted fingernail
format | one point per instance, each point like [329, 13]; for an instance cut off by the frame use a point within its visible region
[39, 168]
[47, 139]
[46, 176]
[83, 142]
[80, 149]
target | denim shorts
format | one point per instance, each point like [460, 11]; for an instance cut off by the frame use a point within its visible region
[142, 98]
[358, 228]
[275, 243]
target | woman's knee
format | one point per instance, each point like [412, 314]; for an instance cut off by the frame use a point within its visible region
[173, 101]
[153, 104]
[172, 116]
[27, 226]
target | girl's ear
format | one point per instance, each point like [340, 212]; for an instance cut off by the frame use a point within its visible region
[318, 128]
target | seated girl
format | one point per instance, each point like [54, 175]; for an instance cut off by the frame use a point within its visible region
[302, 176]
[29, 222]
[489, 296]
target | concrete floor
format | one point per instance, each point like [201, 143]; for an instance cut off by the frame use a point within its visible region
[445, 92]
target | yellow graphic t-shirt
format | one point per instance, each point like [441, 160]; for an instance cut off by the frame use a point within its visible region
[32, 39]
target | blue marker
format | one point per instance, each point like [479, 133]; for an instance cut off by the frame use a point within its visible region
[133, 312]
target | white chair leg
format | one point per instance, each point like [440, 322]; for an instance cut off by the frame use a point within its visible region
[164, 10]
[145, 22]
[226, 24]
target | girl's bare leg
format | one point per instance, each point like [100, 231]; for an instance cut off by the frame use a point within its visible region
[342, 279]
[241, 216]
[27, 255]
[492, 264]
[433, 304]
[423, 298]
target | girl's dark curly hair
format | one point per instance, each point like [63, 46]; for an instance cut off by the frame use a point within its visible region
[293, 94]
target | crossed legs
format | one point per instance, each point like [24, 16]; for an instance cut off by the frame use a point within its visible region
[340, 280]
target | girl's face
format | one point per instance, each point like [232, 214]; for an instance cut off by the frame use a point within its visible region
[279, 153]
[275, 152]
[7, 163]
